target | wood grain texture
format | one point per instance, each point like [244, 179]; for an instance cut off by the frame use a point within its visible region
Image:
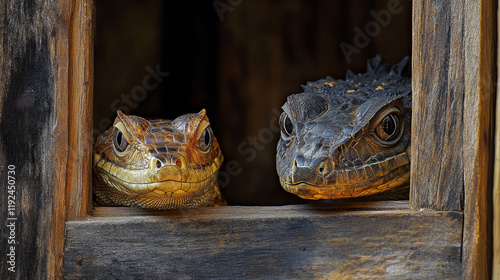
[280, 242]
[496, 178]
[107, 212]
[81, 84]
[477, 150]
[34, 132]
[452, 122]
[437, 163]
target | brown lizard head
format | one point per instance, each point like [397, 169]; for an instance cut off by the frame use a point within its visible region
[159, 164]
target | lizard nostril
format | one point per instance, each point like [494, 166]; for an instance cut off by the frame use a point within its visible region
[324, 166]
[155, 164]
[180, 162]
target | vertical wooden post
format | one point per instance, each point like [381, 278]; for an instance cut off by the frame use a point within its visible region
[452, 133]
[81, 84]
[496, 178]
[477, 150]
[34, 67]
[438, 100]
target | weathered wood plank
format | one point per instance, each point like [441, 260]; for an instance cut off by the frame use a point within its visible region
[496, 198]
[438, 101]
[452, 122]
[281, 242]
[496, 178]
[452, 118]
[81, 84]
[477, 148]
[33, 136]
[100, 212]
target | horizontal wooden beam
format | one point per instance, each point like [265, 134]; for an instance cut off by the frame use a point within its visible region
[378, 240]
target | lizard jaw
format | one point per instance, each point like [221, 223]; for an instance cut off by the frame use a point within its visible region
[307, 190]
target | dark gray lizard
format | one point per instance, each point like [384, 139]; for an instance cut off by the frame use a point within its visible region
[348, 138]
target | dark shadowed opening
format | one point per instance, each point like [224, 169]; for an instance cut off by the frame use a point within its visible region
[239, 60]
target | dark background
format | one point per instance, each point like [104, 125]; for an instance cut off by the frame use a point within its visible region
[239, 66]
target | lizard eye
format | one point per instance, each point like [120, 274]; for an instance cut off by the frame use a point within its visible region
[120, 143]
[206, 139]
[388, 129]
[286, 125]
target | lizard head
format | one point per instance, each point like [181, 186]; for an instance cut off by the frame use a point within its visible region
[347, 138]
[164, 159]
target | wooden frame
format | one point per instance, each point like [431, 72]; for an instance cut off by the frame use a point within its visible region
[496, 183]
[46, 65]
[46, 96]
[452, 126]
[367, 240]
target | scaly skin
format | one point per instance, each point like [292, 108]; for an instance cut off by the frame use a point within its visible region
[348, 138]
[157, 164]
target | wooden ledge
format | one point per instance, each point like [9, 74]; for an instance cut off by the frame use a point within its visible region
[226, 212]
[378, 240]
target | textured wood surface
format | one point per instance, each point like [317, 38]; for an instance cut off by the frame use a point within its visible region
[496, 178]
[34, 69]
[496, 185]
[452, 122]
[357, 241]
[437, 164]
[478, 150]
[81, 84]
